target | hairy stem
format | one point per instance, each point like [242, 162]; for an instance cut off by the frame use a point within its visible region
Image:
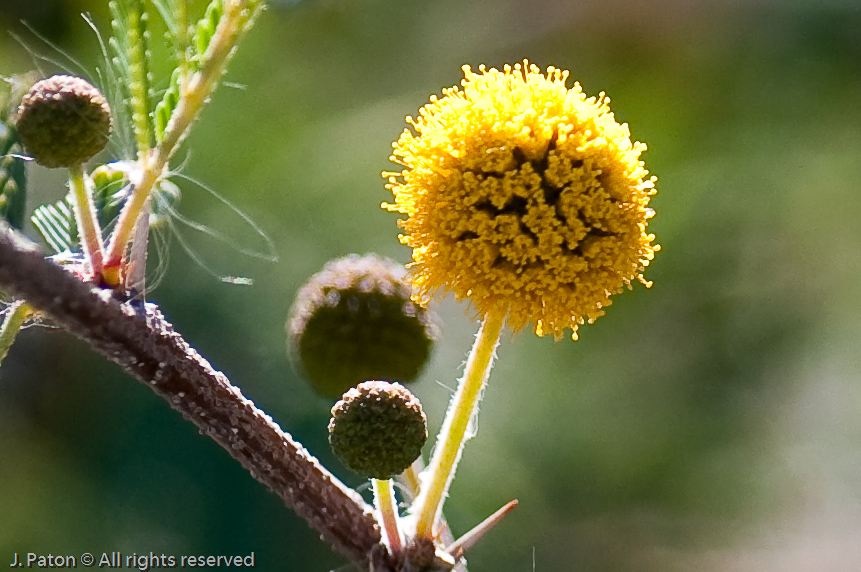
[384, 498]
[146, 346]
[453, 435]
[89, 231]
[411, 483]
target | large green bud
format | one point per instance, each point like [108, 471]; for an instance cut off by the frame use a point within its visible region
[354, 321]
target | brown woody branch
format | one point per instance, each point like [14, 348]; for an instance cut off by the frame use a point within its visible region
[147, 347]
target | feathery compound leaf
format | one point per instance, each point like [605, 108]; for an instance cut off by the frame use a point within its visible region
[56, 222]
[172, 13]
[219, 34]
[117, 42]
[175, 17]
[13, 188]
[131, 46]
[206, 28]
[165, 107]
[13, 175]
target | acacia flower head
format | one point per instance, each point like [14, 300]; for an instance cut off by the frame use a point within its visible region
[378, 429]
[63, 121]
[524, 196]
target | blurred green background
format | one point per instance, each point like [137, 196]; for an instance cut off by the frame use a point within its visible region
[711, 423]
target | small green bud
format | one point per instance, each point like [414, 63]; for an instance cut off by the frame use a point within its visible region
[63, 121]
[378, 429]
[355, 321]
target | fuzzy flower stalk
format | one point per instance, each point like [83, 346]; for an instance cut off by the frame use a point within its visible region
[63, 121]
[527, 198]
[378, 429]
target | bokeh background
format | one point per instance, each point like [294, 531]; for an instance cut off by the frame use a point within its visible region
[712, 423]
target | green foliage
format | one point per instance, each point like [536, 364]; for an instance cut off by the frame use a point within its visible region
[130, 44]
[165, 107]
[56, 222]
[132, 58]
[187, 62]
[13, 179]
[206, 28]
[13, 175]
[175, 18]
[129, 69]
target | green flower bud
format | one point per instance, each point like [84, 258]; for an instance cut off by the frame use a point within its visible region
[355, 321]
[378, 429]
[63, 121]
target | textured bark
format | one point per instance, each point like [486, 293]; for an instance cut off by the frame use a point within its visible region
[146, 346]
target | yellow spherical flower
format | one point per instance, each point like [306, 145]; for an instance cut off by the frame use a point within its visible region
[524, 196]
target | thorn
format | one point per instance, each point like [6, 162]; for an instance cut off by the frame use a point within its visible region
[472, 537]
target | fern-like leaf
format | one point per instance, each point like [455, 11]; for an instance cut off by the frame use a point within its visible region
[13, 190]
[175, 17]
[168, 103]
[130, 43]
[13, 175]
[56, 223]
[203, 32]
[206, 28]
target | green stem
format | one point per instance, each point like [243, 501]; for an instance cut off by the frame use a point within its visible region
[16, 314]
[411, 484]
[384, 498]
[453, 435]
[195, 93]
[89, 232]
[409, 479]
